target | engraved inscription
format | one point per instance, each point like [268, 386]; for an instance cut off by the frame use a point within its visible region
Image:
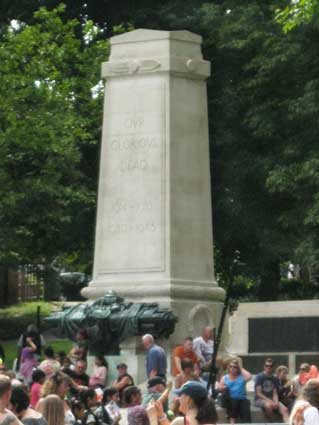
[133, 181]
[134, 142]
[122, 204]
[126, 228]
[130, 165]
[134, 122]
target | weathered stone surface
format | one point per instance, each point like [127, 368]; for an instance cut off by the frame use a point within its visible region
[154, 223]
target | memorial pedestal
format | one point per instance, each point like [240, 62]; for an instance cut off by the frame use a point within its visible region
[154, 225]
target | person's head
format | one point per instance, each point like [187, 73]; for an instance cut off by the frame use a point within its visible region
[188, 344]
[66, 362]
[111, 394]
[38, 376]
[304, 367]
[268, 366]
[52, 409]
[208, 333]
[121, 369]
[156, 385]
[193, 395]
[187, 366]
[19, 401]
[5, 390]
[32, 329]
[49, 352]
[58, 384]
[80, 366]
[81, 335]
[132, 396]
[282, 372]
[60, 356]
[101, 361]
[88, 398]
[310, 392]
[234, 367]
[147, 341]
[77, 407]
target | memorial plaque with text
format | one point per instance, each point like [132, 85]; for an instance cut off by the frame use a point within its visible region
[132, 184]
[285, 334]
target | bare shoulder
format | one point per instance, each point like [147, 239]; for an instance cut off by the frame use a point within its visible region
[9, 418]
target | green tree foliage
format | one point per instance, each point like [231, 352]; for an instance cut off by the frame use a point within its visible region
[298, 12]
[263, 112]
[50, 128]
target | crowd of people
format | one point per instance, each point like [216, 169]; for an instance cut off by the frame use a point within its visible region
[51, 388]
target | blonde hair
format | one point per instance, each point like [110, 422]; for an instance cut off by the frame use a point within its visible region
[52, 409]
[310, 392]
[281, 369]
[51, 385]
[5, 385]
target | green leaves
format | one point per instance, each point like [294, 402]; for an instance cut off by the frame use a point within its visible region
[49, 122]
[297, 13]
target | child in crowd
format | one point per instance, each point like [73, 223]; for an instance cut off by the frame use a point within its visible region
[99, 374]
[109, 411]
[38, 378]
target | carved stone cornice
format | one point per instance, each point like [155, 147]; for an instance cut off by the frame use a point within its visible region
[183, 67]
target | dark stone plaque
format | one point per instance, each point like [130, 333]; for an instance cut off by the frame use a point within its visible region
[282, 335]
[255, 364]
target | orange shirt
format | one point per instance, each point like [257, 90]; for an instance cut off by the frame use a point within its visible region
[180, 352]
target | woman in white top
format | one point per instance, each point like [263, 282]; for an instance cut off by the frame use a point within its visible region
[305, 410]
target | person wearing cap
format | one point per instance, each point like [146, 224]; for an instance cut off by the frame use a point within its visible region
[123, 381]
[156, 363]
[155, 389]
[194, 403]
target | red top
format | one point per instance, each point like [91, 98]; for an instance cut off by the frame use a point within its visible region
[182, 354]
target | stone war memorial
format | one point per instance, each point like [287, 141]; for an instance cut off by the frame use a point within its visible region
[153, 239]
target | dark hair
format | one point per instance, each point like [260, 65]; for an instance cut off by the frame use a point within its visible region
[19, 399]
[108, 392]
[76, 404]
[188, 338]
[62, 354]
[103, 360]
[269, 360]
[206, 411]
[85, 395]
[129, 392]
[49, 352]
[186, 363]
[37, 375]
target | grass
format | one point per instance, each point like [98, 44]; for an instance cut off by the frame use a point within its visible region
[30, 308]
[10, 349]
[15, 319]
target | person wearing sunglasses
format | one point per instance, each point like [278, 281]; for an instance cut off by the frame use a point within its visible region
[234, 384]
[266, 393]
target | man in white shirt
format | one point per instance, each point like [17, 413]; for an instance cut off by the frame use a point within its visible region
[204, 347]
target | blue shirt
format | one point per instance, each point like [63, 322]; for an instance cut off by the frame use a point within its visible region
[268, 384]
[156, 360]
[237, 388]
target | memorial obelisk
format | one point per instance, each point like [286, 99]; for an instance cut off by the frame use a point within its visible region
[154, 224]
